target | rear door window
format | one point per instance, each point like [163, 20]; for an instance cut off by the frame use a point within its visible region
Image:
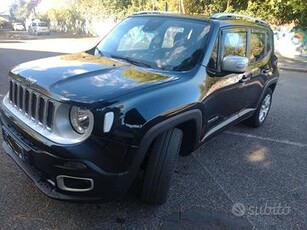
[258, 49]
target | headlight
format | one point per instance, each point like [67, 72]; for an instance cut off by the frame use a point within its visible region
[80, 119]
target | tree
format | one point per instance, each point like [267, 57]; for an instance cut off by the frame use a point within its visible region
[2, 21]
[293, 10]
[88, 11]
[21, 9]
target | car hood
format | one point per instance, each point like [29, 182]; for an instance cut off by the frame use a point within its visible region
[85, 78]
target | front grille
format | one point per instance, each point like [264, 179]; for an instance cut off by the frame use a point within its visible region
[32, 104]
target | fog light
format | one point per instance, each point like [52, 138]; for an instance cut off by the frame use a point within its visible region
[74, 184]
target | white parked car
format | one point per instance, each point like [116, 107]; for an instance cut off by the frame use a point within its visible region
[39, 28]
[18, 26]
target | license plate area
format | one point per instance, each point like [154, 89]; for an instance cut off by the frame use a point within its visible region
[17, 148]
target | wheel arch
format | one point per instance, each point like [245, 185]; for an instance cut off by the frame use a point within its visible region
[186, 121]
[190, 139]
[270, 85]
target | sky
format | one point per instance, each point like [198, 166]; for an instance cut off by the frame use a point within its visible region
[4, 5]
[45, 4]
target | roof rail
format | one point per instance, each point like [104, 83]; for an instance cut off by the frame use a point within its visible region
[154, 12]
[237, 16]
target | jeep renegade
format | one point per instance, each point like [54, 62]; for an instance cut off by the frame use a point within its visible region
[83, 126]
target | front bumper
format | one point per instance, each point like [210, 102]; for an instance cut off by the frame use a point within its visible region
[43, 31]
[47, 163]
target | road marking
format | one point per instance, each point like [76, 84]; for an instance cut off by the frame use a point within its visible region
[297, 144]
[229, 196]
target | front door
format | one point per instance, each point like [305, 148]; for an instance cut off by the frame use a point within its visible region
[225, 92]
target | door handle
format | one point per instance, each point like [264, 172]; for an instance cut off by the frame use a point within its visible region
[245, 78]
[265, 71]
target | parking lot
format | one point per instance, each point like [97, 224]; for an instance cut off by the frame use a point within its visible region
[243, 179]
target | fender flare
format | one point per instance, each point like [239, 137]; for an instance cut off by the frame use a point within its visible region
[191, 115]
[269, 83]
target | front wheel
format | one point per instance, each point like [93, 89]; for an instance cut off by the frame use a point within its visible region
[160, 166]
[262, 111]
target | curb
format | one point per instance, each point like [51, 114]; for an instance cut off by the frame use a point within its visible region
[294, 69]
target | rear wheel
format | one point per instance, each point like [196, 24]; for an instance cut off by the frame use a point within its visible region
[160, 166]
[262, 111]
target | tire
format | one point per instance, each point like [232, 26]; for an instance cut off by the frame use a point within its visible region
[259, 117]
[160, 167]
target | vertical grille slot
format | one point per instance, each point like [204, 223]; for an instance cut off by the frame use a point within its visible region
[15, 94]
[41, 109]
[27, 102]
[50, 114]
[20, 100]
[11, 91]
[31, 104]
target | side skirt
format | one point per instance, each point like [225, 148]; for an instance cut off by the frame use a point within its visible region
[227, 122]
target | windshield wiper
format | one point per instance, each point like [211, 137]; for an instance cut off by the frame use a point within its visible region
[132, 61]
[99, 51]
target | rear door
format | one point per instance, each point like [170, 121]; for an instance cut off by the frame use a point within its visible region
[259, 53]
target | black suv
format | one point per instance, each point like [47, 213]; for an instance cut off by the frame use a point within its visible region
[84, 126]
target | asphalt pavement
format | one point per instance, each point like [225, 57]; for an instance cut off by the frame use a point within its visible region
[243, 179]
[296, 63]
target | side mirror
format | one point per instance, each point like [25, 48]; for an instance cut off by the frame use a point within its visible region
[235, 64]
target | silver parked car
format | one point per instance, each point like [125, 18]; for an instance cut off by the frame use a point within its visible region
[39, 28]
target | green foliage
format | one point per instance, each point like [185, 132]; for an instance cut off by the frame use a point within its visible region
[80, 11]
[292, 10]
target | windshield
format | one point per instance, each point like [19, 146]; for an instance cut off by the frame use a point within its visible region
[42, 24]
[157, 42]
